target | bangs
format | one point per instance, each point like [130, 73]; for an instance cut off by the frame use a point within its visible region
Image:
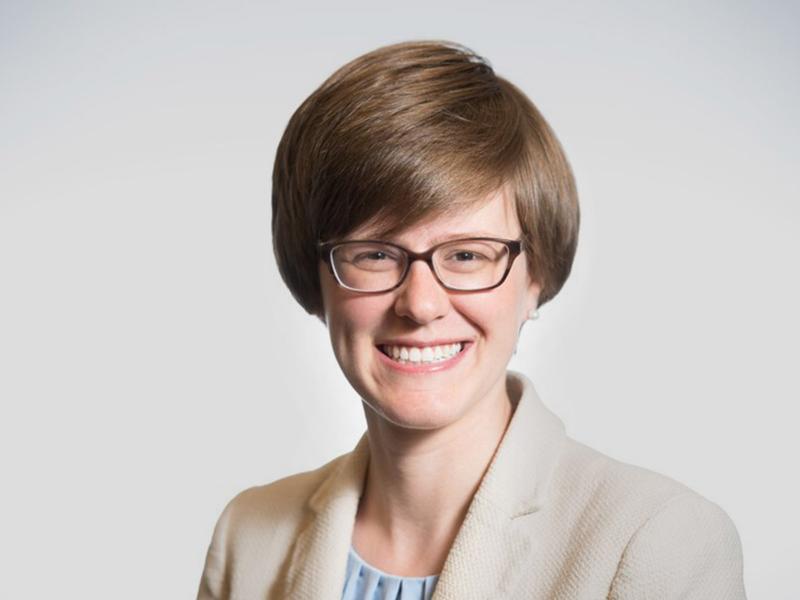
[448, 135]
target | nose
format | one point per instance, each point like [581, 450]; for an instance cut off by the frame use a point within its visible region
[421, 298]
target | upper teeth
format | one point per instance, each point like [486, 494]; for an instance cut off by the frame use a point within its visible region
[427, 354]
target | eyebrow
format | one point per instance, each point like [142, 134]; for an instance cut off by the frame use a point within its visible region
[468, 234]
[450, 236]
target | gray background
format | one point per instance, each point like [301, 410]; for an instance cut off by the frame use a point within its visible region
[152, 364]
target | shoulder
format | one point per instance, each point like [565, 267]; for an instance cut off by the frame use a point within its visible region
[256, 531]
[596, 478]
[688, 547]
[634, 494]
[280, 503]
[666, 536]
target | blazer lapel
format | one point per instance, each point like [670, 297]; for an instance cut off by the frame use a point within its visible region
[496, 539]
[319, 558]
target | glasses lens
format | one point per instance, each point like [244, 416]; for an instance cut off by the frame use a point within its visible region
[471, 264]
[367, 266]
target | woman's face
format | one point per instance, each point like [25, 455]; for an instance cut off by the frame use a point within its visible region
[421, 313]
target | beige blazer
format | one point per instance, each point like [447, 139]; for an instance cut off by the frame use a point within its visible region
[552, 519]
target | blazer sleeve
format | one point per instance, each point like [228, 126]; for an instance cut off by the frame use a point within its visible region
[689, 549]
[214, 582]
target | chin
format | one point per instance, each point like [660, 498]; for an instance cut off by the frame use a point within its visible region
[424, 411]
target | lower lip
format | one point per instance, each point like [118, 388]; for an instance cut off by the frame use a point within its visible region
[421, 368]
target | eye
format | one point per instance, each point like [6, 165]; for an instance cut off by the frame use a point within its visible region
[466, 256]
[375, 255]
[369, 257]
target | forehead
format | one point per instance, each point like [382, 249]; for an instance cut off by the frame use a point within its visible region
[493, 216]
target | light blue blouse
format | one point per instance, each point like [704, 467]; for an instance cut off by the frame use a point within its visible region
[365, 582]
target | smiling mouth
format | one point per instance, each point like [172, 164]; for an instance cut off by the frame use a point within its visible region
[414, 355]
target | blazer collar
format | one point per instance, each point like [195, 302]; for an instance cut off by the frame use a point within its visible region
[319, 557]
[519, 475]
[495, 540]
[484, 558]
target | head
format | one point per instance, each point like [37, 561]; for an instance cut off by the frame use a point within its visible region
[413, 143]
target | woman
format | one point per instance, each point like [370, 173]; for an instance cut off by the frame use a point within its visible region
[423, 210]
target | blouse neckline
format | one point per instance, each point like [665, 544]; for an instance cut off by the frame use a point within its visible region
[365, 582]
[365, 565]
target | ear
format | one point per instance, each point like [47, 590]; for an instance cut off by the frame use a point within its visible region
[532, 293]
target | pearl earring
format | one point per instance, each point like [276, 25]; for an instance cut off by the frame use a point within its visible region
[533, 314]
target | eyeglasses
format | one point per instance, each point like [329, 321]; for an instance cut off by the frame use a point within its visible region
[465, 265]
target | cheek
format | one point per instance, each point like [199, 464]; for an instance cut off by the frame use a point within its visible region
[343, 313]
[498, 313]
[497, 316]
[353, 320]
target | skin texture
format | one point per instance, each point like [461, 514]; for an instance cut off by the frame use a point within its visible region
[432, 434]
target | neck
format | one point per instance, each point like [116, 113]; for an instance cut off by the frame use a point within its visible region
[420, 483]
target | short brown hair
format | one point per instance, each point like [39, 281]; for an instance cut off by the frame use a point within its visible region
[410, 131]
